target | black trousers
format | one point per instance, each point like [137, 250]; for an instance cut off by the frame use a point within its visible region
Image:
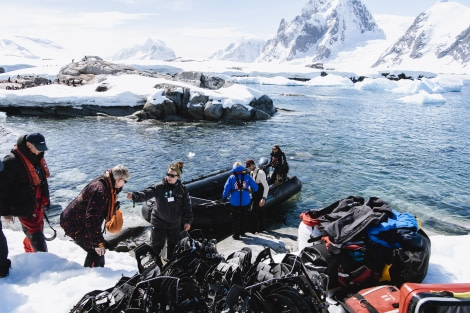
[280, 171]
[158, 238]
[4, 264]
[239, 219]
[259, 214]
[93, 259]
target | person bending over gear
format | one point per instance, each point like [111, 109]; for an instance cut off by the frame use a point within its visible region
[83, 218]
[24, 191]
[172, 207]
[238, 187]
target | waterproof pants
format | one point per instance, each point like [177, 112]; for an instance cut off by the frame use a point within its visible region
[4, 263]
[93, 259]
[239, 219]
[259, 217]
[33, 228]
[257, 211]
[280, 171]
[158, 238]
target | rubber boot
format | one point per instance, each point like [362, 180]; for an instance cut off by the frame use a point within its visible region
[93, 260]
[5, 268]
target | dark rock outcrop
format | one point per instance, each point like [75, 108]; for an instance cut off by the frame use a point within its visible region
[173, 100]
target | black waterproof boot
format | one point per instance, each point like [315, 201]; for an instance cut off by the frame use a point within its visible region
[94, 260]
[5, 269]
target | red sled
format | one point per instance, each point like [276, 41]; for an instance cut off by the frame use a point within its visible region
[379, 299]
[435, 298]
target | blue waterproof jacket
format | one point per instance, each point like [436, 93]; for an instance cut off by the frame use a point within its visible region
[388, 233]
[239, 197]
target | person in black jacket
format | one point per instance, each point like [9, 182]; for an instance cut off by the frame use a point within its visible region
[279, 164]
[4, 261]
[24, 192]
[172, 208]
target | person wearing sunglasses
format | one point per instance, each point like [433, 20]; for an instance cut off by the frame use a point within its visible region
[82, 220]
[171, 209]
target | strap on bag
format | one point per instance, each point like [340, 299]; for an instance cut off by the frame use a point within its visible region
[364, 303]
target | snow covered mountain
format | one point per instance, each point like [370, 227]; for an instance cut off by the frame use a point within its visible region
[323, 28]
[29, 48]
[342, 34]
[245, 50]
[441, 35]
[150, 50]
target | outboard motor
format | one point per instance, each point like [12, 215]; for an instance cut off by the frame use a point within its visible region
[262, 165]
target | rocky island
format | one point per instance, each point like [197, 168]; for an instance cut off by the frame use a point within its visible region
[93, 86]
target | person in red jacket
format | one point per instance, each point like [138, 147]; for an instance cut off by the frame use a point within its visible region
[24, 191]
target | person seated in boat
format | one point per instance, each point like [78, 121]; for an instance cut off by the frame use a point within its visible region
[258, 197]
[279, 164]
[172, 207]
[238, 187]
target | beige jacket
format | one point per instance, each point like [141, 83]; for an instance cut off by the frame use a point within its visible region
[260, 178]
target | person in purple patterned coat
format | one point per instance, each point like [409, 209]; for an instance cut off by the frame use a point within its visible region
[83, 218]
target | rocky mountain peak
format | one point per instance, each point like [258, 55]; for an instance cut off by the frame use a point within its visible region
[433, 38]
[323, 28]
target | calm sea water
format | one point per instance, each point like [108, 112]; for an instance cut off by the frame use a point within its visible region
[339, 142]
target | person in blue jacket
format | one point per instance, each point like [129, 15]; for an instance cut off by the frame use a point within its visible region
[238, 187]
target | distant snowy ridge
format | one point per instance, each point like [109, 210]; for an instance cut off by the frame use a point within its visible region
[150, 50]
[341, 34]
[29, 48]
[245, 50]
[440, 34]
[323, 28]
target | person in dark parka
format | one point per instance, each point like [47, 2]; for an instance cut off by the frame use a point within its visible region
[83, 218]
[24, 190]
[279, 164]
[5, 263]
[171, 209]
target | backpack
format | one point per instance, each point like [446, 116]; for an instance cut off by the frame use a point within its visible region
[361, 262]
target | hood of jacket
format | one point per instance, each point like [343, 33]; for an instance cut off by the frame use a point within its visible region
[238, 169]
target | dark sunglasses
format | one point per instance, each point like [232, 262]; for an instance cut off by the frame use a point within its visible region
[171, 175]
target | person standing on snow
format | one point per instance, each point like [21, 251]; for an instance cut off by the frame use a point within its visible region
[5, 263]
[24, 191]
[172, 208]
[238, 186]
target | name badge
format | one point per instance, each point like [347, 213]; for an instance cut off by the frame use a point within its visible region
[171, 199]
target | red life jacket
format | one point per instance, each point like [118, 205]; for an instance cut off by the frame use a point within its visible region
[30, 169]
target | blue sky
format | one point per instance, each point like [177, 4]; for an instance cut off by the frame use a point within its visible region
[191, 28]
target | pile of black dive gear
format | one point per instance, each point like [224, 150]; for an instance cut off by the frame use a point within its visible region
[198, 279]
